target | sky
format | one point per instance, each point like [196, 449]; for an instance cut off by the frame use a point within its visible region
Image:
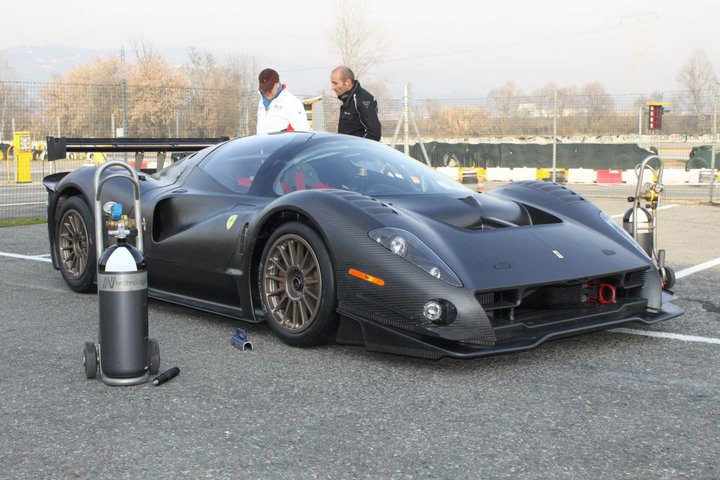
[446, 49]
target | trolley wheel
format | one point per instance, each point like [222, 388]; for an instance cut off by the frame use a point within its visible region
[667, 275]
[90, 360]
[154, 354]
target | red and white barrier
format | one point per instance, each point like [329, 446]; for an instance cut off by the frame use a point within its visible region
[609, 176]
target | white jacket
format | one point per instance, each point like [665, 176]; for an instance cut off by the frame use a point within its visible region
[286, 112]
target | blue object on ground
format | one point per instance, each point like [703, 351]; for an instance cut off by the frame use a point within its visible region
[240, 339]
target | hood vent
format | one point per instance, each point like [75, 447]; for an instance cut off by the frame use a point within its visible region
[370, 205]
[552, 189]
[481, 212]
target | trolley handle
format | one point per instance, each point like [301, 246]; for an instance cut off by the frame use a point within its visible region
[657, 173]
[98, 184]
[645, 165]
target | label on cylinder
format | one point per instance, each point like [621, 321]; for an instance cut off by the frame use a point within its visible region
[122, 282]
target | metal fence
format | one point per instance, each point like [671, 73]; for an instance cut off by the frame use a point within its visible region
[503, 138]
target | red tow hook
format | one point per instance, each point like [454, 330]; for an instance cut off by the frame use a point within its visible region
[604, 293]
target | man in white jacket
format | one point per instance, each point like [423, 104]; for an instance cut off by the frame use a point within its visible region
[278, 109]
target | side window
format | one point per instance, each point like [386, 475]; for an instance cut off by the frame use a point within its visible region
[235, 164]
[317, 170]
[338, 166]
[298, 176]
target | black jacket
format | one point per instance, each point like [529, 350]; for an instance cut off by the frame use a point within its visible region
[359, 114]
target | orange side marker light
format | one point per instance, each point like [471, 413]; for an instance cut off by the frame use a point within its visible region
[368, 278]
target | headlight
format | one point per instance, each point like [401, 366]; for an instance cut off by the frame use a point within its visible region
[398, 245]
[408, 246]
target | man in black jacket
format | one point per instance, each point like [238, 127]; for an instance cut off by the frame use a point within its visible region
[359, 111]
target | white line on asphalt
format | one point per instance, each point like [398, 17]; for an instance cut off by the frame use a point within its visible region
[697, 268]
[38, 258]
[21, 204]
[672, 336]
[620, 215]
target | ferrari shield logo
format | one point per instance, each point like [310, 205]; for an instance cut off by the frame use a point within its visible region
[230, 221]
[558, 254]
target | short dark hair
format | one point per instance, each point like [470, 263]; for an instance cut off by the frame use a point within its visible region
[345, 73]
[267, 79]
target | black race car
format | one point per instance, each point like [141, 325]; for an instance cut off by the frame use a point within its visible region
[334, 237]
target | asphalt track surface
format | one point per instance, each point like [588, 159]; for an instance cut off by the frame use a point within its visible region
[606, 405]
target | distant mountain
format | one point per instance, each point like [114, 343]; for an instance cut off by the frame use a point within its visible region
[40, 63]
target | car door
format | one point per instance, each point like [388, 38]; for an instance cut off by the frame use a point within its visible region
[194, 231]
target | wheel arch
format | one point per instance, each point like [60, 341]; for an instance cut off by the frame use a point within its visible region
[264, 230]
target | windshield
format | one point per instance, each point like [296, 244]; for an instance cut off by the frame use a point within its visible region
[370, 168]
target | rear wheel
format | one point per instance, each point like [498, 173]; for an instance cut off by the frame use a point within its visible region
[75, 245]
[297, 285]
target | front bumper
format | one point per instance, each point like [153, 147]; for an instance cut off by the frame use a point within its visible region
[371, 332]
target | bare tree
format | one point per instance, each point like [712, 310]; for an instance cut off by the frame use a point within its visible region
[459, 121]
[221, 97]
[698, 77]
[7, 75]
[241, 70]
[598, 108]
[503, 105]
[545, 98]
[84, 100]
[356, 38]
[201, 69]
[144, 52]
[240, 77]
[155, 91]
[200, 115]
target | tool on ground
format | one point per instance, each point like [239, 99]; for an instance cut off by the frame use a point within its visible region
[240, 339]
[165, 376]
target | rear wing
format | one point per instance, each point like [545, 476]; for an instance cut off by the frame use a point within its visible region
[58, 147]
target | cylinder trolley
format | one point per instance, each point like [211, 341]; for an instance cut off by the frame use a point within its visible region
[124, 355]
[640, 220]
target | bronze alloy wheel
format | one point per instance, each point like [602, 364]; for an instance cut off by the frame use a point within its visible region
[292, 283]
[73, 243]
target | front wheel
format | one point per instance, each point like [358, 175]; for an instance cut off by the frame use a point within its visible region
[75, 245]
[297, 285]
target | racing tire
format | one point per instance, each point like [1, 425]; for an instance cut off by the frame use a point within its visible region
[75, 245]
[90, 360]
[153, 356]
[297, 286]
